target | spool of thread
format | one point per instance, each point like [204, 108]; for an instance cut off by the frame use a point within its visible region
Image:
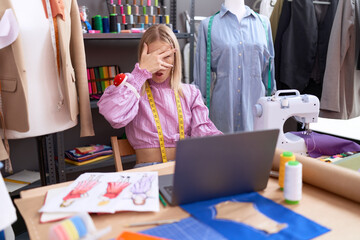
[118, 27]
[111, 1]
[160, 19]
[131, 19]
[106, 24]
[136, 10]
[284, 158]
[119, 2]
[138, 19]
[167, 19]
[146, 19]
[153, 19]
[156, 3]
[158, 10]
[113, 23]
[141, 2]
[113, 8]
[98, 23]
[149, 2]
[163, 10]
[144, 10]
[293, 182]
[128, 7]
[134, 2]
[121, 9]
[151, 10]
[123, 18]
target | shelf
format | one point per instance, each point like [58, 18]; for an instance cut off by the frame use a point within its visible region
[70, 168]
[123, 36]
[27, 187]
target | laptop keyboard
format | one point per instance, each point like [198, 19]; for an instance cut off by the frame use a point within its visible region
[169, 189]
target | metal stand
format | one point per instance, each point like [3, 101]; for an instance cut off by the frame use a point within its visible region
[47, 159]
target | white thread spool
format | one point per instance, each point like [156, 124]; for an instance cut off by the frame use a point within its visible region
[293, 182]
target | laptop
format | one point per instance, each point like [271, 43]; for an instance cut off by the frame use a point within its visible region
[218, 166]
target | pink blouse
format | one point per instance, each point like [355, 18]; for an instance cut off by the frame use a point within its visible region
[125, 106]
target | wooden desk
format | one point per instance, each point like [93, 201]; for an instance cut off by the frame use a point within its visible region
[341, 215]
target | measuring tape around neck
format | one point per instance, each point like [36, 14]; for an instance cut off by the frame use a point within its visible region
[157, 120]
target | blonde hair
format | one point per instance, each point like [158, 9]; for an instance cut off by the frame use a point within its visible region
[164, 33]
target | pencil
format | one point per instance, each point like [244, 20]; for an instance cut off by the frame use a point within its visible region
[162, 200]
[159, 222]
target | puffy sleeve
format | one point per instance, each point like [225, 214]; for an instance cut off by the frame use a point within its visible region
[201, 125]
[119, 105]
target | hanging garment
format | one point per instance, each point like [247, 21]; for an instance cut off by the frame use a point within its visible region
[240, 56]
[275, 16]
[16, 82]
[266, 7]
[301, 45]
[341, 89]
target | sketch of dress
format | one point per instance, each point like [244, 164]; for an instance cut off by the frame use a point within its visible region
[140, 189]
[114, 189]
[80, 190]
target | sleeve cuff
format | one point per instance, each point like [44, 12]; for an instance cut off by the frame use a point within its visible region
[139, 77]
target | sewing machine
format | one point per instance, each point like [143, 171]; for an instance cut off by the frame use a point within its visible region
[272, 112]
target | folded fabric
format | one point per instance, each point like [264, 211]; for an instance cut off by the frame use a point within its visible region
[325, 145]
[88, 152]
[78, 163]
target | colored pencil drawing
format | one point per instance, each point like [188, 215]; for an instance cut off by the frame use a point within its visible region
[108, 193]
[114, 189]
[140, 189]
[80, 190]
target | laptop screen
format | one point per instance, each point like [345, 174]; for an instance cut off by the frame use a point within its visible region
[223, 165]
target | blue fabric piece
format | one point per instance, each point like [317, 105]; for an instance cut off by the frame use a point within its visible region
[186, 229]
[298, 227]
[2, 235]
[240, 57]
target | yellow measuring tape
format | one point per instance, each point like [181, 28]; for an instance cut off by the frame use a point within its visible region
[157, 120]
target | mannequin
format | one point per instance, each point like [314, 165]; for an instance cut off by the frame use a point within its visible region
[237, 7]
[42, 94]
[241, 55]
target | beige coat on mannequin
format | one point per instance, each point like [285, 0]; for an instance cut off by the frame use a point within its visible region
[14, 81]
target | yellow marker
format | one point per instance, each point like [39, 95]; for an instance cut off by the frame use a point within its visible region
[157, 120]
[284, 158]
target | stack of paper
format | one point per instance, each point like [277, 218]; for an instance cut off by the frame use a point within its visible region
[21, 179]
[107, 193]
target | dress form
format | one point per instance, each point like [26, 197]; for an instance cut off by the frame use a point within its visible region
[237, 7]
[42, 82]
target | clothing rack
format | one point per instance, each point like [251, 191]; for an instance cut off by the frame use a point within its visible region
[318, 2]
